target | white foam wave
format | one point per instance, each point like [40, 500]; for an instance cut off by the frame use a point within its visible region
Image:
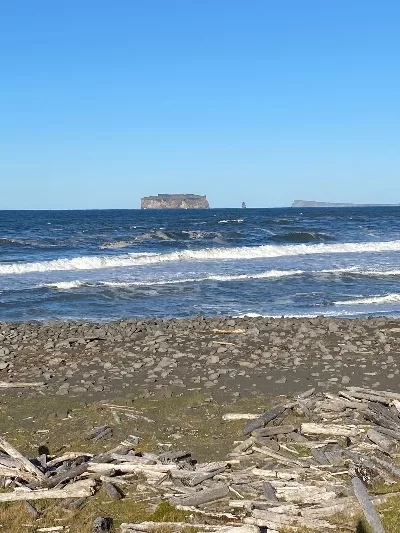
[378, 273]
[64, 285]
[302, 315]
[237, 277]
[206, 254]
[68, 285]
[238, 220]
[378, 299]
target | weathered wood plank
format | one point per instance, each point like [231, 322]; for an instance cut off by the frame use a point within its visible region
[367, 506]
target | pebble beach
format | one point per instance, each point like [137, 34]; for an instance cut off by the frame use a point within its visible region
[225, 356]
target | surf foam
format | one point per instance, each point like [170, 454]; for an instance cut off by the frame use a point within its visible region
[378, 299]
[206, 254]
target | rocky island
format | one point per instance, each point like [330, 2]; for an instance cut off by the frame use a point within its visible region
[308, 203]
[175, 201]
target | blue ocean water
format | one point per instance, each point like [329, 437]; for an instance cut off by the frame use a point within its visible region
[110, 264]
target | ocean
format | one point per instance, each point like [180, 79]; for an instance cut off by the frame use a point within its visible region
[111, 264]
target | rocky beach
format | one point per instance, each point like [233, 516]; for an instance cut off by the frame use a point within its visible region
[74, 390]
[226, 357]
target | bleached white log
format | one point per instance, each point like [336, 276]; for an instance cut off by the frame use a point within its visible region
[128, 468]
[275, 474]
[25, 463]
[54, 528]
[15, 472]
[276, 521]
[396, 403]
[149, 526]
[80, 489]
[385, 394]
[348, 430]
[281, 458]
[230, 331]
[239, 416]
[22, 385]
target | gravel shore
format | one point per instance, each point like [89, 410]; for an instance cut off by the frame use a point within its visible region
[224, 356]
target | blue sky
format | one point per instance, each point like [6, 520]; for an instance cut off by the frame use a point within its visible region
[103, 102]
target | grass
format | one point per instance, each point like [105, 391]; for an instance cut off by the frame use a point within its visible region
[14, 517]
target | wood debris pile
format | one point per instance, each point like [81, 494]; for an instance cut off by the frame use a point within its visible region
[281, 474]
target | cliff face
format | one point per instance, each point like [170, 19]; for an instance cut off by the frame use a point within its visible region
[307, 203]
[175, 201]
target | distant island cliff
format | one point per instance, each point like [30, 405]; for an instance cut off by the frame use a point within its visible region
[308, 203]
[175, 201]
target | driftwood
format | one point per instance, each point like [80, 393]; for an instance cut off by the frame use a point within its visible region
[112, 491]
[48, 529]
[396, 404]
[394, 434]
[274, 483]
[228, 417]
[149, 526]
[75, 490]
[276, 521]
[71, 456]
[25, 463]
[205, 496]
[263, 420]
[31, 509]
[273, 430]
[8, 385]
[197, 479]
[230, 331]
[368, 508]
[384, 394]
[384, 442]
[269, 492]
[309, 428]
[64, 477]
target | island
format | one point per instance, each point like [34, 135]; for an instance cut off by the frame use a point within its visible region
[308, 203]
[175, 201]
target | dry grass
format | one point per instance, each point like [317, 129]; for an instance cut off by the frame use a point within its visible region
[14, 517]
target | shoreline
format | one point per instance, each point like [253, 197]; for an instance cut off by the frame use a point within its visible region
[223, 355]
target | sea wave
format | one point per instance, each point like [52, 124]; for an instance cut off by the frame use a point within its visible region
[303, 236]
[64, 285]
[333, 314]
[234, 277]
[205, 254]
[67, 285]
[378, 299]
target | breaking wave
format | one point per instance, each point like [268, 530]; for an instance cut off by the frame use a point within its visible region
[206, 254]
[64, 285]
[237, 277]
[387, 298]
[68, 285]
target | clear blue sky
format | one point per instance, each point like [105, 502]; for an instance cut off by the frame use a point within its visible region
[102, 102]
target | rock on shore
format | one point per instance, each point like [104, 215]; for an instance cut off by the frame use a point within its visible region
[223, 355]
